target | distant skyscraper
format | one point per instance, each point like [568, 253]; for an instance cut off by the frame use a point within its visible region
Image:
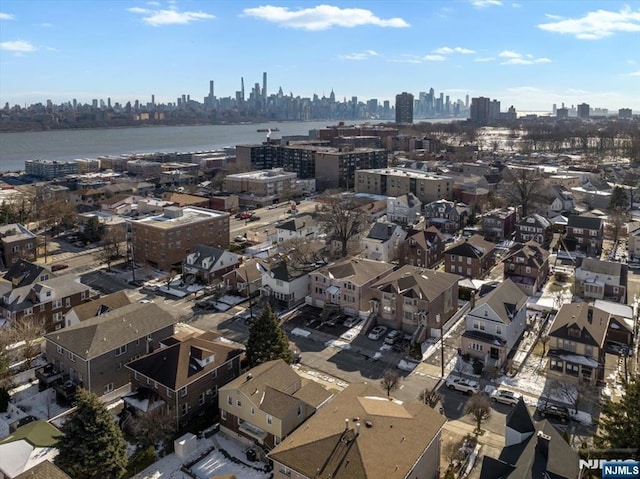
[404, 108]
[562, 112]
[466, 101]
[480, 110]
[583, 110]
[264, 88]
[625, 113]
[153, 99]
[211, 94]
[242, 88]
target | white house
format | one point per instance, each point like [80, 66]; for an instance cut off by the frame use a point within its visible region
[404, 209]
[284, 281]
[302, 227]
[495, 324]
[382, 241]
[207, 262]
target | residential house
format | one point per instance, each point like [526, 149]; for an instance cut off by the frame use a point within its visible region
[585, 233]
[246, 279]
[93, 353]
[472, 258]
[531, 451]
[184, 374]
[363, 434]
[424, 248]
[301, 227]
[16, 242]
[596, 279]
[448, 216]
[47, 300]
[404, 209]
[44, 470]
[23, 273]
[633, 240]
[499, 224]
[268, 403]
[534, 228]
[414, 300]
[382, 242]
[576, 343]
[27, 447]
[206, 263]
[621, 321]
[96, 307]
[345, 285]
[284, 280]
[528, 267]
[495, 324]
[559, 200]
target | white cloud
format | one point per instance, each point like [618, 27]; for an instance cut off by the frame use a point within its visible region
[486, 3]
[597, 25]
[406, 58]
[171, 16]
[516, 5]
[433, 58]
[6, 16]
[360, 55]
[631, 62]
[321, 17]
[17, 46]
[449, 50]
[515, 58]
[484, 59]
[633, 74]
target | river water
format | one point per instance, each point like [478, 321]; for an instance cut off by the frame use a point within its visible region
[15, 148]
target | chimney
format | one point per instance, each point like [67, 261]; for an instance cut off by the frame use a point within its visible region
[389, 230]
[542, 446]
[346, 424]
[249, 377]
[357, 429]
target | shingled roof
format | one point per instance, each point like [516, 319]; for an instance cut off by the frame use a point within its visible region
[101, 305]
[416, 282]
[505, 300]
[181, 363]
[361, 434]
[24, 273]
[589, 323]
[99, 335]
[357, 270]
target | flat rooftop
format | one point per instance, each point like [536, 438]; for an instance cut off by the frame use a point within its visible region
[173, 217]
[406, 172]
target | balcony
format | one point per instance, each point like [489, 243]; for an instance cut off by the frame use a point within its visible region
[47, 376]
[253, 431]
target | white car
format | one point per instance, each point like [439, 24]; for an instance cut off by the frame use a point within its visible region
[463, 385]
[393, 336]
[505, 397]
[377, 332]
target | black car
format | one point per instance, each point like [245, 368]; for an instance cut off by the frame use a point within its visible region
[553, 411]
[254, 218]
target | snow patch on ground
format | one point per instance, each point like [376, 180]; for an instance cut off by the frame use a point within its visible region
[406, 365]
[337, 344]
[216, 464]
[301, 332]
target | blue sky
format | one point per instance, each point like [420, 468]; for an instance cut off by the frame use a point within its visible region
[526, 53]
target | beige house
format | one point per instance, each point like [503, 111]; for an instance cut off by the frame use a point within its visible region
[94, 308]
[363, 434]
[426, 186]
[268, 403]
[345, 285]
[576, 345]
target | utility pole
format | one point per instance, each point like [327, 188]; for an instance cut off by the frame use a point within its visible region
[246, 275]
[438, 319]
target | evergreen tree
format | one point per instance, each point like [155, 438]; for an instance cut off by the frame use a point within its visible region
[619, 424]
[92, 446]
[618, 201]
[267, 340]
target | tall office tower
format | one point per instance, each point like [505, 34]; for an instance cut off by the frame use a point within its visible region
[108, 102]
[404, 108]
[625, 113]
[466, 101]
[562, 112]
[184, 100]
[94, 103]
[75, 103]
[447, 105]
[386, 109]
[264, 88]
[211, 89]
[494, 110]
[153, 99]
[242, 88]
[554, 109]
[480, 110]
[583, 110]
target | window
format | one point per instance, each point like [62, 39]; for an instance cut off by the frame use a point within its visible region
[572, 369]
[28, 311]
[269, 419]
[556, 365]
[528, 269]
[67, 302]
[479, 325]
[121, 350]
[214, 391]
[155, 384]
[108, 388]
[476, 347]
[238, 403]
[201, 399]
[229, 401]
[119, 367]
[230, 365]
[184, 409]
[453, 258]
[498, 330]
[57, 316]
[468, 261]
[183, 392]
[299, 410]
[223, 414]
[253, 410]
[214, 375]
[56, 303]
[59, 350]
[137, 342]
[71, 356]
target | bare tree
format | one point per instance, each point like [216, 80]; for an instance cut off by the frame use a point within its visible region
[544, 340]
[523, 187]
[27, 331]
[574, 393]
[342, 219]
[151, 427]
[479, 407]
[300, 250]
[172, 274]
[111, 248]
[431, 398]
[390, 381]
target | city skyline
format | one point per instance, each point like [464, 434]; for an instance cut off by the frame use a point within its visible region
[529, 54]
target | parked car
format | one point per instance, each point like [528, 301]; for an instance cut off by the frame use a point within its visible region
[239, 239]
[463, 385]
[551, 410]
[272, 207]
[246, 215]
[254, 218]
[351, 321]
[505, 397]
[59, 266]
[393, 336]
[377, 332]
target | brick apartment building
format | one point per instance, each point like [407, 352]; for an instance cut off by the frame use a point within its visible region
[164, 241]
[16, 242]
